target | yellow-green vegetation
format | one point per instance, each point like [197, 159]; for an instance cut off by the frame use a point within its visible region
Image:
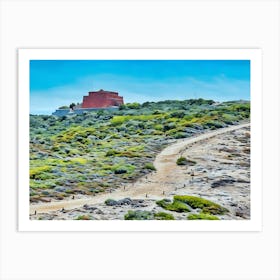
[174, 205]
[77, 133]
[122, 153]
[110, 202]
[207, 206]
[38, 172]
[202, 216]
[123, 168]
[184, 161]
[163, 216]
[147, 215]
[150, 166]
[84, 217]
[138, 215]
[181, 203]
[88, 153]
[118, 120]
[78, 160]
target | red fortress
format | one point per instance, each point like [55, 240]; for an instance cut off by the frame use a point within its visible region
[102, 99]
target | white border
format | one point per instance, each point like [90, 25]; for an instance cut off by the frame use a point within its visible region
[254, 55]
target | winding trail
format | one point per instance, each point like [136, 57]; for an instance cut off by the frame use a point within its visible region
[156, 185]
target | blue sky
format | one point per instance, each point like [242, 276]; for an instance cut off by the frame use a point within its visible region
[54, 83]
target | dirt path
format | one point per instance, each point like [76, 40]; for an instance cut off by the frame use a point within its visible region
[162, 183]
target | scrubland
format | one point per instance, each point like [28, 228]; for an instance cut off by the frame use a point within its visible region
[80, 156]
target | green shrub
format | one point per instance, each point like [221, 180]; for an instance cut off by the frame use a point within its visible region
[128, 154]
[134, 105]
[78, 160]
[35, 172]
[158, 127]
[168, 126]
[118, 120]
[181, 161]
[110, 153]
[149, 166]
[84, 217]
[73, 132]
[214, 124]
[176, 205]
[163, 216]
[179, 135]
[123, 168]
[207, 206]
[56, 148]
[202, 216]
[110, 202]
[122, 107]
[185, 161]
[120, 171]
[69, 191]
[138, 215]
[215, 210]
[45, 193]
[178, 114]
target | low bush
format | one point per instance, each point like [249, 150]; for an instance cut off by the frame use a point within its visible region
[84, 217]
[181, 161]
[110, 153]
[185, 161]
[78, 160]
[176, 205]
[138, 215]
[202, 216]
[35, 172]
[110, 202]
[178, 114]
[207, 206]
[163, 216]
[133, 105]
[150, 166]
[214, 124]
[122, 168]
[179, 135]
[120, 171]
[45, 193]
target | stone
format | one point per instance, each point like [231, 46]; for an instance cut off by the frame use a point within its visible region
[111, 202]
[125, 201]
[89, 207]
[222, 182]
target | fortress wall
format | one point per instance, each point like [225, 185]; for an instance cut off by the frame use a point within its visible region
[102, 99]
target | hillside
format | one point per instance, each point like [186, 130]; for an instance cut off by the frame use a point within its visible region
[99, 152]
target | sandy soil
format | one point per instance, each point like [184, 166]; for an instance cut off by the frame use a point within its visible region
[221, 174]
